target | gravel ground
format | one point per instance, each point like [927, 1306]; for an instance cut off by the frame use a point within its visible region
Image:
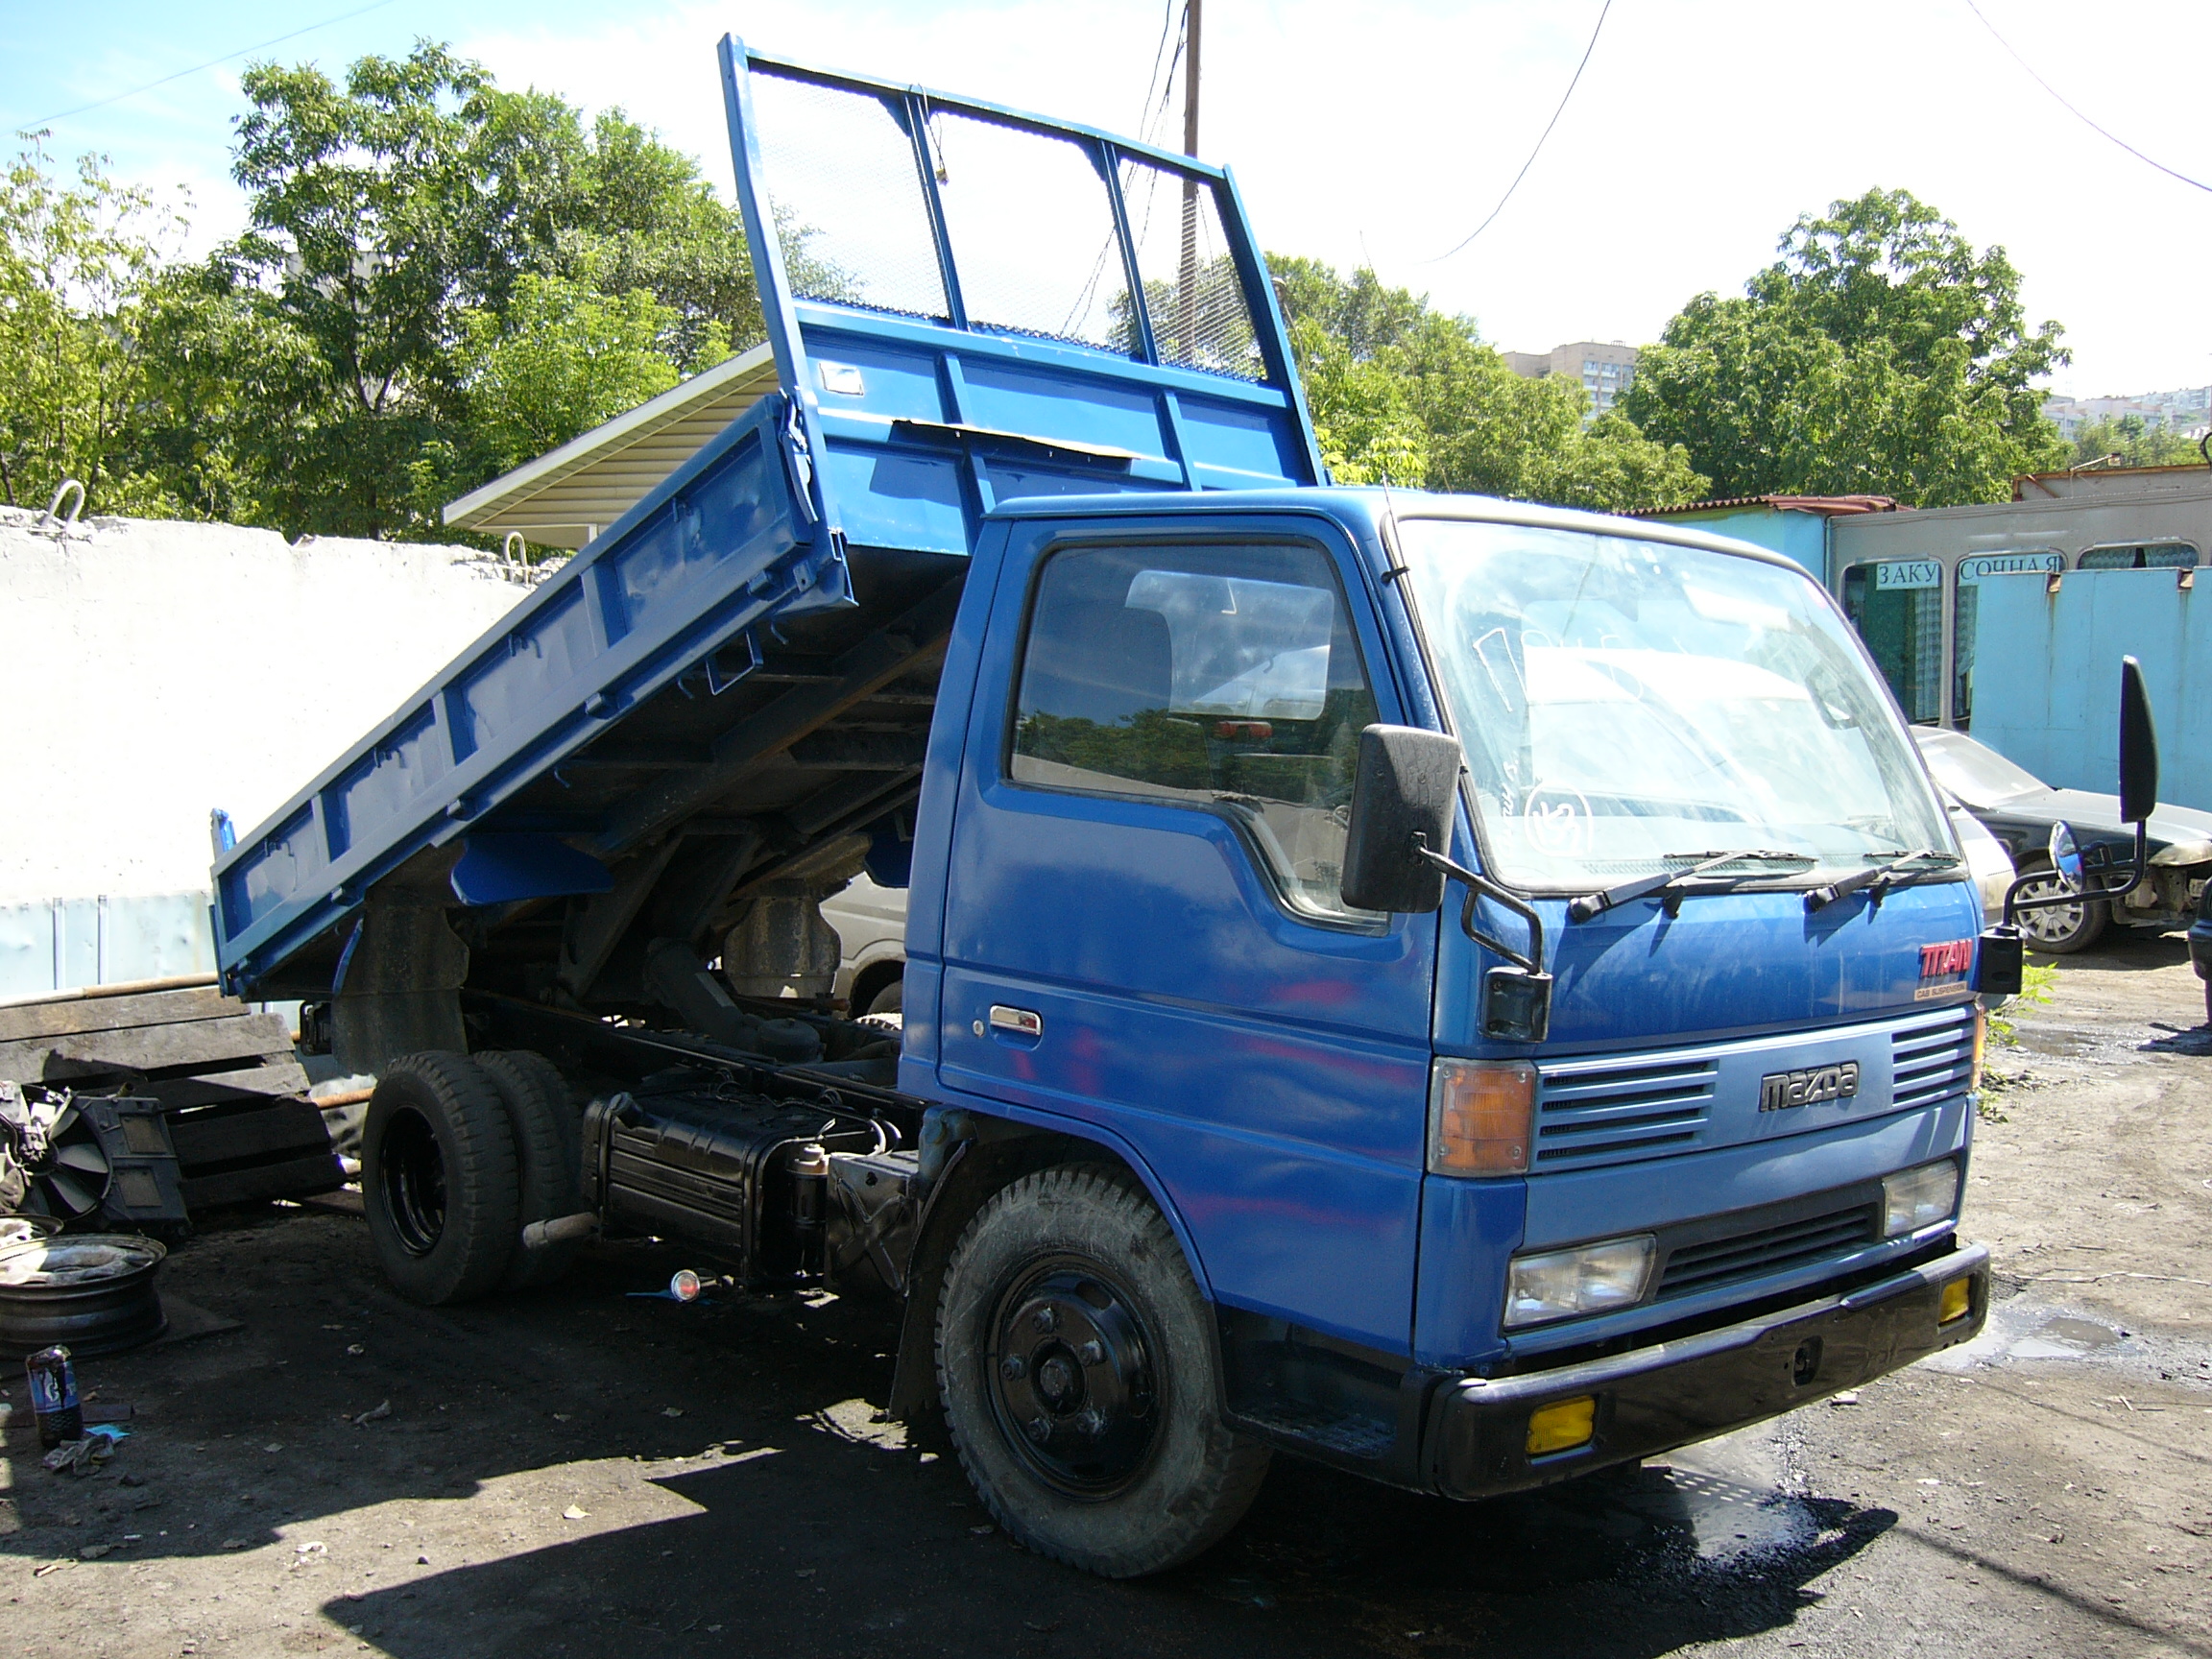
[580, 1472]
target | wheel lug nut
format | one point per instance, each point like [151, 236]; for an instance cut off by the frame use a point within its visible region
[1039, 1431]
[1013, 1368]
[1047, 1319]
[1091, 1353]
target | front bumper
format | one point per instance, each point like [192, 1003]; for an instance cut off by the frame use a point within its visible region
[1653, 1400]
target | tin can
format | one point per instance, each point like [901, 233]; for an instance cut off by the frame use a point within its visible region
[54, 1397]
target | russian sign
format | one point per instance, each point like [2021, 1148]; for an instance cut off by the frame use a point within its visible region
[1984, 564]
[1900, 573]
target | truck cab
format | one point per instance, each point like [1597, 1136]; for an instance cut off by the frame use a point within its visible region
[1468, 991]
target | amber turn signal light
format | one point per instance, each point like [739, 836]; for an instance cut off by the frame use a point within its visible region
[1957, 1301]
[1480, 1117]
[1562, 1426]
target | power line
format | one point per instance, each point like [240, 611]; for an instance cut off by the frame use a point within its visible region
[1598, 28]
[1167, 22]
[212, 62]
[2075, 113]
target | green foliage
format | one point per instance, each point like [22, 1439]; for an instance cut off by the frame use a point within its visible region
[77, 262]
[440, 280]
[2038, 985]
[2135, 443]
[1879, 354]
[564, 358]
[1405, 394]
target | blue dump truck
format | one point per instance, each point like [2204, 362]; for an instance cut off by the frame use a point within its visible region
[1468, 992]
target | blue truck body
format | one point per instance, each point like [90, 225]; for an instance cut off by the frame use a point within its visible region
[810, 641]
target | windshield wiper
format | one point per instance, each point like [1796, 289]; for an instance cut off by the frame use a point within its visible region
[1878, 878]
[1676, 883]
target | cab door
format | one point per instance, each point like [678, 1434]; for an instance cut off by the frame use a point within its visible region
[1142, 929]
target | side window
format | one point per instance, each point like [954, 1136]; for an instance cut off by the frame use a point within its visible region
[2146, 555]
[1223, 677]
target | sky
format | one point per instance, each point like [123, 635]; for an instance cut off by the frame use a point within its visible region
[1373, 131]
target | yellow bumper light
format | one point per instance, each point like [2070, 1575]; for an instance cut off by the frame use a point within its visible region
[1957, 1301]
[1562, 1424]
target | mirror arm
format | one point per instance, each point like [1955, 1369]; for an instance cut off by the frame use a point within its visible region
[1479, 887]
[2137, 870]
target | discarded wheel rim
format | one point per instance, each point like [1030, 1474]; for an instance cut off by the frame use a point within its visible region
[93, 1293]
[26, 1229]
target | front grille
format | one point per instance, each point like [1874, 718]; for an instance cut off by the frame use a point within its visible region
[1762, 1250]
[1932, 1061]
[1591, 1109]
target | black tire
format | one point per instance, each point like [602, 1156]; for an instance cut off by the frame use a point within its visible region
[2067, 928]
[891, 1000]
[1075, 1365]
[437, 1179]
[548, 1156]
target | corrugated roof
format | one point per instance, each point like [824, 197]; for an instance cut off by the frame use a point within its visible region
[569, 494]
[1826, 506]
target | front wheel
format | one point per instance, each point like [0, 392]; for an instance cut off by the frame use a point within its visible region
[1078, 1380]
[2063, 928]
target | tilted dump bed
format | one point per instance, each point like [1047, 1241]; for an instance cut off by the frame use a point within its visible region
[732, 686]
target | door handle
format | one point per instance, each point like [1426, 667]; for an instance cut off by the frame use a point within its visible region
[1016, 1021]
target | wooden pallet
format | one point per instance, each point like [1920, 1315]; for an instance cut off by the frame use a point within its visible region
[227, 1076]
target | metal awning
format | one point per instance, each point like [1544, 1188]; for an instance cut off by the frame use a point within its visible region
[567, 497]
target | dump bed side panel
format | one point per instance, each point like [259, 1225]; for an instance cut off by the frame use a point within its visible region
[727, 542]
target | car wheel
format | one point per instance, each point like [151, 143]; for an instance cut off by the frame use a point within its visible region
[437, 1179]
[891, 1000]
[2064, 928]
[1074, 1360]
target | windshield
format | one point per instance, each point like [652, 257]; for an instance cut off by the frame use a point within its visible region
[1630, 708]
[1973, 772]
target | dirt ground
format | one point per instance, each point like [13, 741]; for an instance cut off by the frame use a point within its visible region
[588, 1472]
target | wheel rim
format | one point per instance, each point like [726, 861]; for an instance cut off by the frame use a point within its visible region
[414, 1182]
[1070, 1372]
[2056, 924]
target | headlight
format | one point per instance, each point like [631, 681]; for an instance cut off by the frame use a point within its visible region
[2183, 853]
[1917, 1198]
[1588, 1279]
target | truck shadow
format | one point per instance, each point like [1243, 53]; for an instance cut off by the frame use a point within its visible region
[834, 1548]
[791, 1523]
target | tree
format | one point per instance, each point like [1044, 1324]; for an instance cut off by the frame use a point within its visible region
[1402, 393]
[76, 263]
[440, 278]
[2135, 443]
[564, 358]
[1879, 354]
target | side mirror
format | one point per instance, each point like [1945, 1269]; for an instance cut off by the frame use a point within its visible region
[2066, 855]
[2138, 747]
[1405, 786]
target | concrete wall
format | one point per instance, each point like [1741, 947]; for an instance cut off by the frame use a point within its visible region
[2048, 685]
[154, 670]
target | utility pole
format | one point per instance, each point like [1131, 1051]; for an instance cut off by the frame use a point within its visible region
[1187, 324]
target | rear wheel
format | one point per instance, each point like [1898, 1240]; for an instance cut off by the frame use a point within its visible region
[2063, 928]
[1078, 1380]
[549, 1156]
[437, 1179]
